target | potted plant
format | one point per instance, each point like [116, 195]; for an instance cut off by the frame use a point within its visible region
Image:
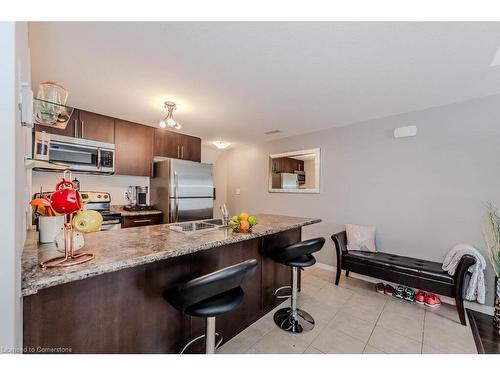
[491, 233]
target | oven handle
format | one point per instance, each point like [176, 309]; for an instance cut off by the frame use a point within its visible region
[98, 158]
[117, 221]
[69, 151]
[64, 144]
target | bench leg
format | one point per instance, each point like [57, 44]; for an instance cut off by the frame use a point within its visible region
[337, 276]
[461, 310]
[346, 273]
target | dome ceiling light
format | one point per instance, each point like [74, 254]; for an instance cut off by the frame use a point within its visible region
[169, 120]
[221, 145]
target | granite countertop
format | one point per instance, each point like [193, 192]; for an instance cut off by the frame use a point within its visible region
[125, 248]
[120, 210]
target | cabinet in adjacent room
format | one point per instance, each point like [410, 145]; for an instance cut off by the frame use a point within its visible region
[287, 165]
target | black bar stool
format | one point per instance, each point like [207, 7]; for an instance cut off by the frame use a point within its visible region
[298, 255]
[209, 296]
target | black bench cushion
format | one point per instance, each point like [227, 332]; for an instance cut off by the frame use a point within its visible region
[412, 266]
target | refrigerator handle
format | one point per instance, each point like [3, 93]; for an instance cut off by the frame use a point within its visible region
[176, 197]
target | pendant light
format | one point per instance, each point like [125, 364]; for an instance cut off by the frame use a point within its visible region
[169, 120]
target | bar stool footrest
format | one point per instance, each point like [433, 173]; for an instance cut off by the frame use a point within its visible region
[283, 296]
[199, 338]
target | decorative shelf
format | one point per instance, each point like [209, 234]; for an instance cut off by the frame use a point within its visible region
[51, 114]
[42, 165]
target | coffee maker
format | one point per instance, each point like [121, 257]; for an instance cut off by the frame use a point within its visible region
[138, 198]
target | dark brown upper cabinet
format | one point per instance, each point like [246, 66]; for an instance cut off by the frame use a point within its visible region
[69, 131]
[166, 143]
[96, 127]
[190, 148]
[87, 125]
[133, 148]
[177, 146]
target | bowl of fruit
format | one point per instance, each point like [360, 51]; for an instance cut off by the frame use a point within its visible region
[242, 223]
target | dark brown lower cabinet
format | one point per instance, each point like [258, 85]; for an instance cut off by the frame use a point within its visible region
[124, 312]
[141, 220]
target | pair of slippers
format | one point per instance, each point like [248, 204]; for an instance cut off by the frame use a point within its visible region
[403, 292]
[385, 289]
[427, 299]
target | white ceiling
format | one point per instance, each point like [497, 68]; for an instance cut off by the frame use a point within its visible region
[238, 80]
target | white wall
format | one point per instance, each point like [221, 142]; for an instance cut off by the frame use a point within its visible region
[115, 185]
[15, 186]
[424, 194]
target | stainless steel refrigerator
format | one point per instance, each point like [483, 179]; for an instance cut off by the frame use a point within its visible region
[183, 190]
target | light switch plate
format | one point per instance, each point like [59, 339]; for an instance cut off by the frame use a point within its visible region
[238, 191]
[405, 131]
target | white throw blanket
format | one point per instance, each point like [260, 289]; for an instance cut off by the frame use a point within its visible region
[476, 289]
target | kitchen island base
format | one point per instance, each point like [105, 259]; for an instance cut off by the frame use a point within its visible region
[124, 312]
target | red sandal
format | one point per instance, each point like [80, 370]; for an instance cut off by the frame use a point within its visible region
[432, 300]
[420, 297]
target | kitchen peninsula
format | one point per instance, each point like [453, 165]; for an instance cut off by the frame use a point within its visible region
[113, 304]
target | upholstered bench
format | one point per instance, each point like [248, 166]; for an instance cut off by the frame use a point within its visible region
[412, 272]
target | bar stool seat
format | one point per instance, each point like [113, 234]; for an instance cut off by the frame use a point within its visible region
[298, 255]
[301, 261]
[209, 296]
[218, 305]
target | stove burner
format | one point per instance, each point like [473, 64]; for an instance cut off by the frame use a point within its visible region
[138, 208]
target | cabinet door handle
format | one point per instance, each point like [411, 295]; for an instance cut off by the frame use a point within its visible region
[81, 134]
[182, 152]
[75, 130]
[142, 221]
[178, 152]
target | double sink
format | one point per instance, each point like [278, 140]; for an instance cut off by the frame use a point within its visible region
[198, 226]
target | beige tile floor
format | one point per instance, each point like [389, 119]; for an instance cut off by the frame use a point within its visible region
[353, 318]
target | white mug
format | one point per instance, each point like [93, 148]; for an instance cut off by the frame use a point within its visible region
[49, 227]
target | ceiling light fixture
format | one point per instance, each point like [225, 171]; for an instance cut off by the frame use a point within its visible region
[169, 119]
[221, 145]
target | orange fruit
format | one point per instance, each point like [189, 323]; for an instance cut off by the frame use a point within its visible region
[243, 216]
[244, 226]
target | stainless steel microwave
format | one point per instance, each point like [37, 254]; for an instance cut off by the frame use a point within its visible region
[80, 155]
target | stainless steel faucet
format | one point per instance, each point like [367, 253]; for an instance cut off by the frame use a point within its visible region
[225, 214]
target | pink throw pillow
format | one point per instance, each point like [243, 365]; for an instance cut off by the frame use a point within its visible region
[360, 237]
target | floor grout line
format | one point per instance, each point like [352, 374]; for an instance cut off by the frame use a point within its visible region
[423, 333]
[375, 326]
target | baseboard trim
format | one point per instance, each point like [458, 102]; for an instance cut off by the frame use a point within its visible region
[489, 310]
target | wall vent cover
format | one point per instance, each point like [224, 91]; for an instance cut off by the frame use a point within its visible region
[276, 131]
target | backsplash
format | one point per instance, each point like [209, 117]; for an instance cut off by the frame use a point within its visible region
[114, 184]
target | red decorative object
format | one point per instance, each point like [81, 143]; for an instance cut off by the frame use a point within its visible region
[67, 200]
